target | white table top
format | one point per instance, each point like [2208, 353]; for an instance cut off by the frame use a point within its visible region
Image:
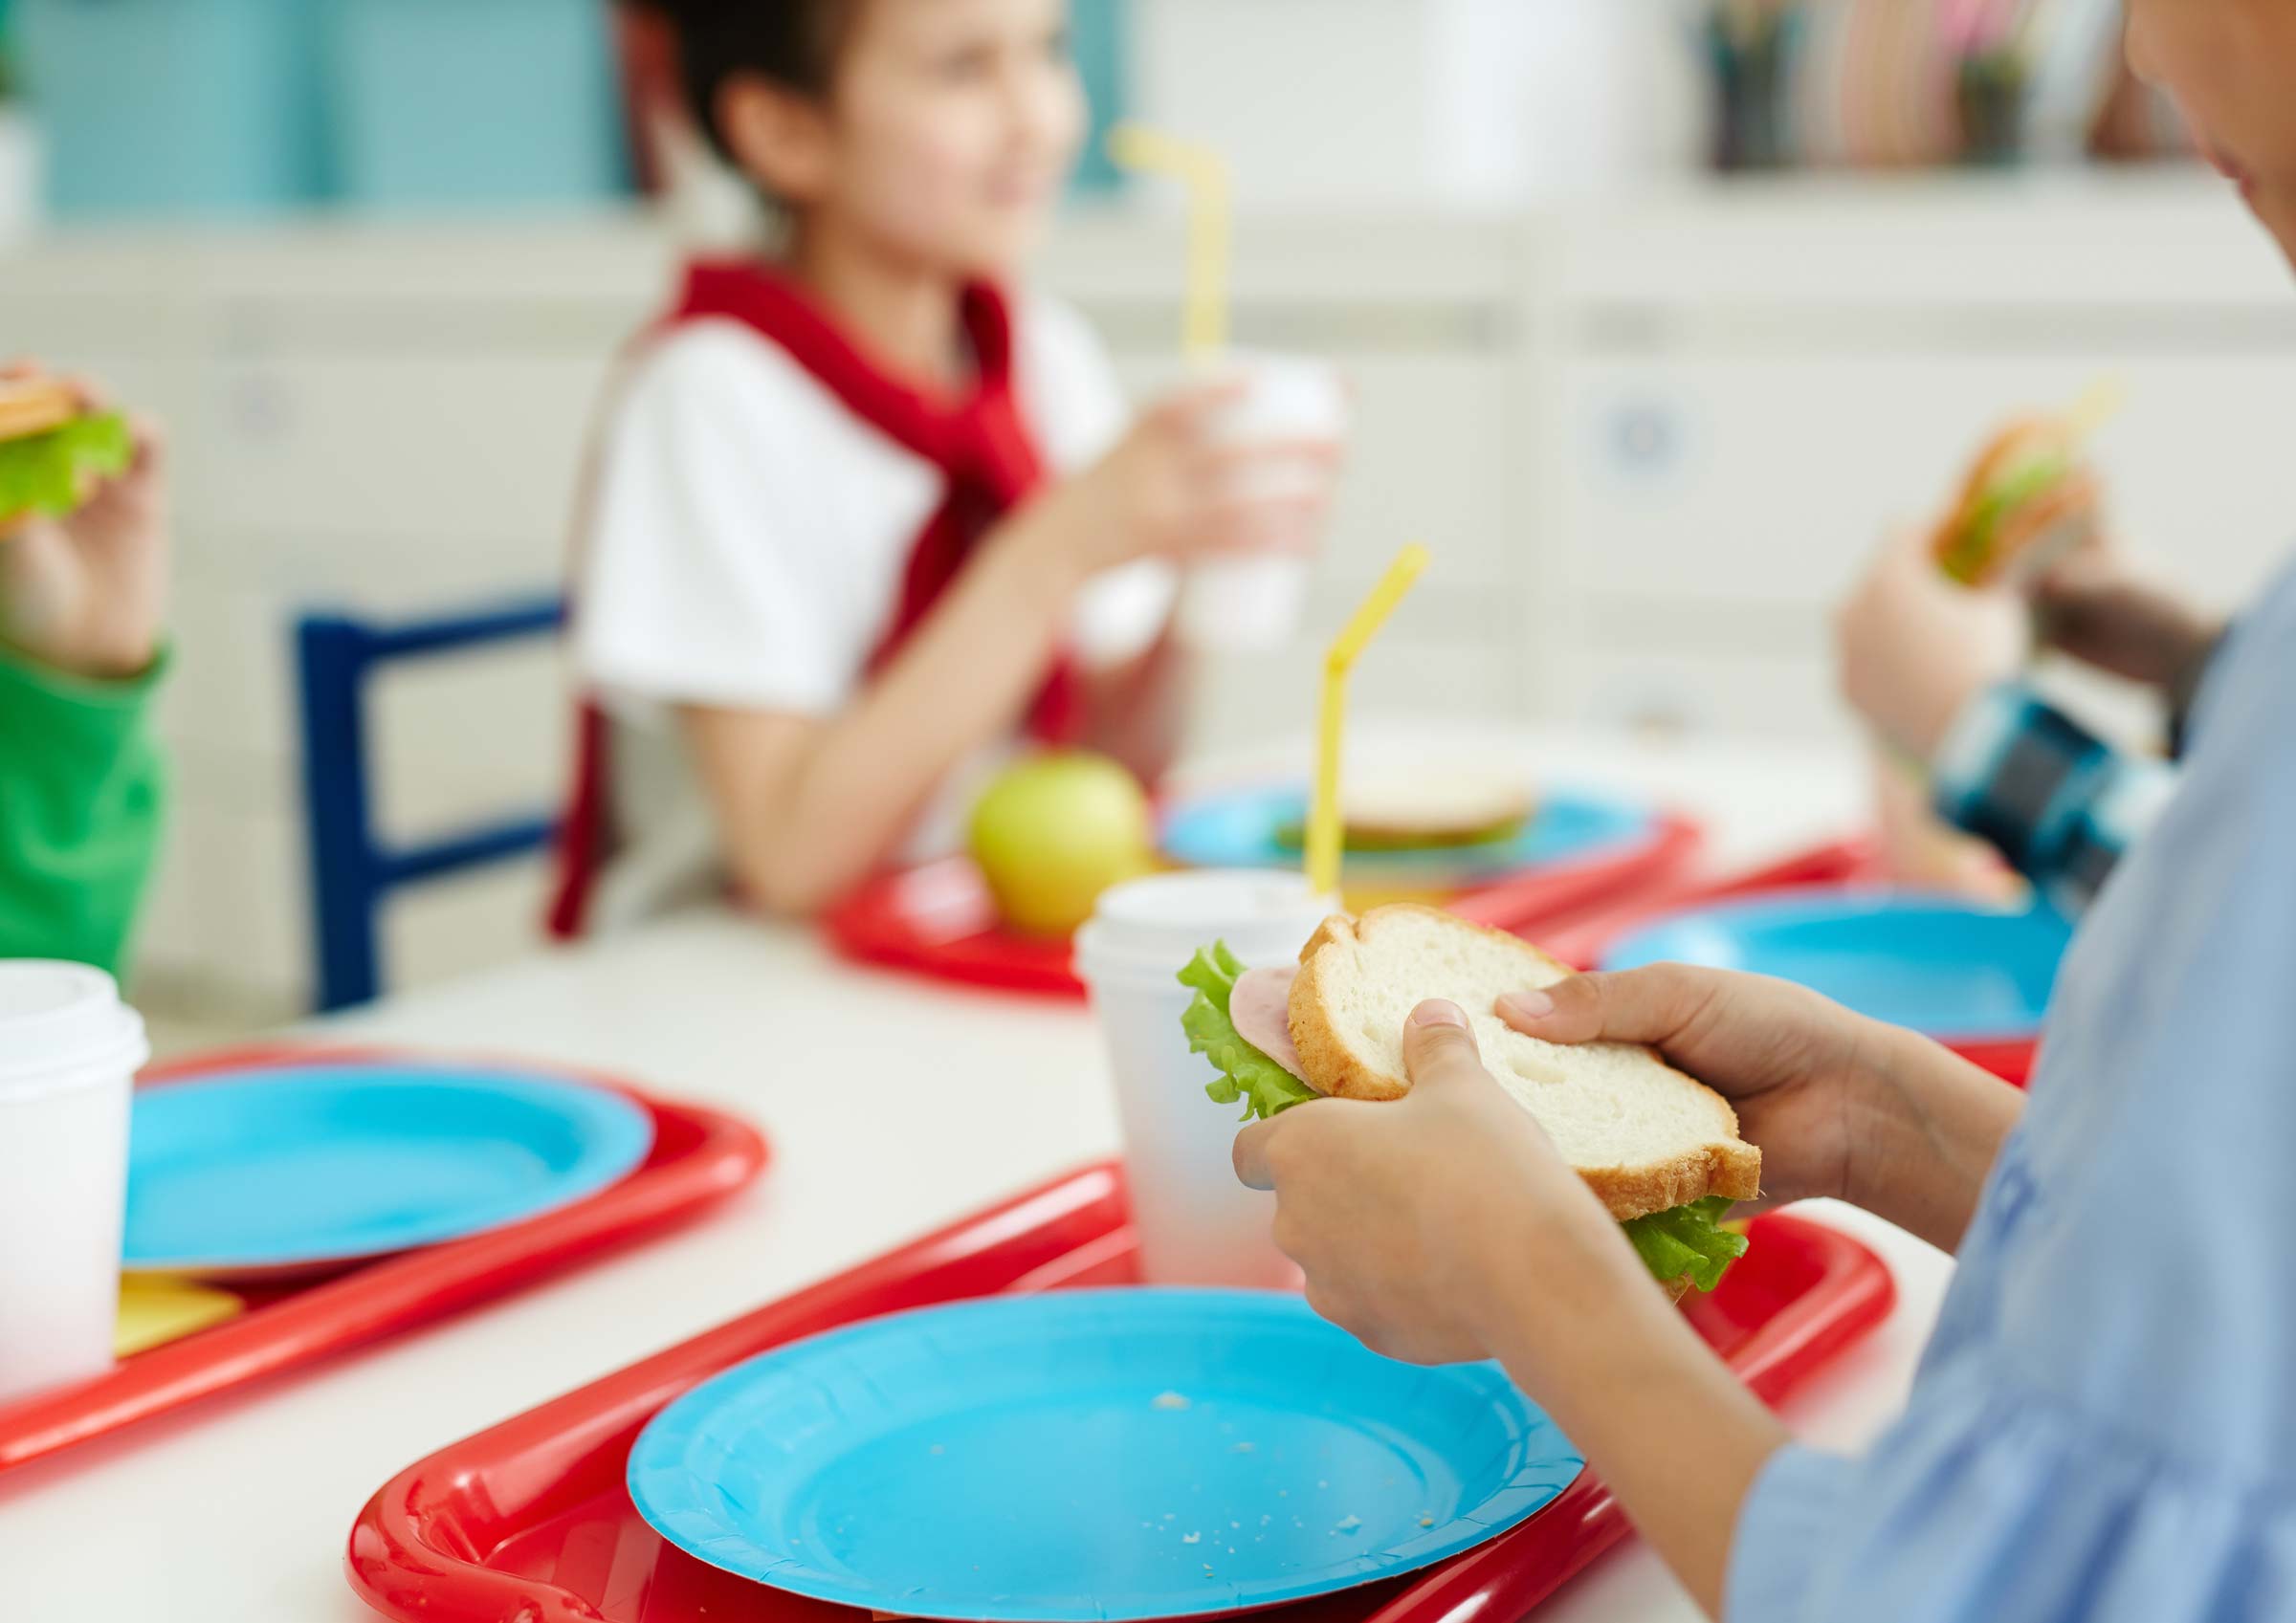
[237, 1512]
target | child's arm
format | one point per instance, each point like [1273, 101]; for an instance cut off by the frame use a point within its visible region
[82, 788]
[807, 807]
[1444, 1227]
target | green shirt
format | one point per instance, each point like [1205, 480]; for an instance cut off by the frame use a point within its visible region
[82, 799]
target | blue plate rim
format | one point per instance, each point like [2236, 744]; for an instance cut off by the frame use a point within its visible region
[1785, 898]
[674, 1427]
[620, 1135]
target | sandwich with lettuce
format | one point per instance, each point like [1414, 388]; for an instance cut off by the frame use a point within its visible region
[1658, 1148]
[2029, 498]
[52, 450]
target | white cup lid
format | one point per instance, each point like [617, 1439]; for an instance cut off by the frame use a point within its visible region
[62, 1024]
[1157, 924]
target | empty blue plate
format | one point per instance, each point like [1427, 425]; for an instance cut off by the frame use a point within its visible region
[302, 1164]
[1244, 828]
[1934, 964]
[1090, 1455]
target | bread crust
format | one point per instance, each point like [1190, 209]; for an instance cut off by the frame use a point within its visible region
[1728, 1166]
[35, 405]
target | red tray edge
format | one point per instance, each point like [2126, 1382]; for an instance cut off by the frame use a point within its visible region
[398, 1293]
[388, 1559]
[1519, 904]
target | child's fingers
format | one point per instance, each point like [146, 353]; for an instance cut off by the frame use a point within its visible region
[1643, 1005]
[1264, 524]
[1231, 463]
[1439, 1048]
[1185, 409]
[1251, 1154]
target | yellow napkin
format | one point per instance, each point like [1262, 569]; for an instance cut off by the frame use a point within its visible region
[154, 1312]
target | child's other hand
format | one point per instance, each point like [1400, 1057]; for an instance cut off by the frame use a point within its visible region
[1172, 489]
[1838, 1105]
[1913, 648]
[85, 594]
[1420, 1223]
[1799, 1070]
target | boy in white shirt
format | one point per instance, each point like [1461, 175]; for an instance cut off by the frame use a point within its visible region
[864, 518]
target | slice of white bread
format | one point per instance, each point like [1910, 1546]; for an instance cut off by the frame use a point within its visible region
[1643, 1136]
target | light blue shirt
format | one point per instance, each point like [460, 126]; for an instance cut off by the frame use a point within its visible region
[2104, 1427]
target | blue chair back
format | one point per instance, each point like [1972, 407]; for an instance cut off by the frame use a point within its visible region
[353, 870]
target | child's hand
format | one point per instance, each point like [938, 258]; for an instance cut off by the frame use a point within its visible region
[1421, 1223]
[1838, 1105]
[85, 594]
[1798, 1069]
[1171, 489]
[1913, 648]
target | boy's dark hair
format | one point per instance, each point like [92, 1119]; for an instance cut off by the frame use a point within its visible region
[792, 42]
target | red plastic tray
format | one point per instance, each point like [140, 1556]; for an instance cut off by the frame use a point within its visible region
[1581, 940]
[938, 920]
[698, 1156]
[529, 1521]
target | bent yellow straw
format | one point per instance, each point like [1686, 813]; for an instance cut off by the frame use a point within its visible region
[1204, 172]
[1323, 810]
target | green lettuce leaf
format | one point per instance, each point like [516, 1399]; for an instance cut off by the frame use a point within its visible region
[1688, 1241]
[1972, 553]
[48, 472]
[1263, 1088]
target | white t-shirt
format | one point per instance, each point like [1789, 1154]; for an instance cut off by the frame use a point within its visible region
[745, 549]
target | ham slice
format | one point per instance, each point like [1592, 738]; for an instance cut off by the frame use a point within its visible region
[1259, 1008]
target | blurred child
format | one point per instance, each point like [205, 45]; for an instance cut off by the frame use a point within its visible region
[81, 788]
[865, 513]
[2102, 1426]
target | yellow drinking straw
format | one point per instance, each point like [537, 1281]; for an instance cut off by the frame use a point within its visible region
[1323, 812]
[1204, 171]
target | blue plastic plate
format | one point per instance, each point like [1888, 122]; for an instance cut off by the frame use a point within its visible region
[1242, 828]
[1938, 965]
[296, 1166]
[1090, 1455]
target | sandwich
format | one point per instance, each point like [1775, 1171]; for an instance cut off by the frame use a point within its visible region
[1658, 1148]
[51, 448]
[1426, 811]
[2029, 500]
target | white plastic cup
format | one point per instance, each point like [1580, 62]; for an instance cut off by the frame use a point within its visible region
[1258, 603]
[1196, 1225]
[69, 1052]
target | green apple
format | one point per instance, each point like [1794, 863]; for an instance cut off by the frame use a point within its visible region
[1054, 831]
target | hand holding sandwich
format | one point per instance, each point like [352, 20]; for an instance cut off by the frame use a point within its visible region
[1913, 648]
[1419, 1222]
[83, 590]
[1838, 1105]
[1445, 1226]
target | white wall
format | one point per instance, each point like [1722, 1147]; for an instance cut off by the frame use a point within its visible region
[1646, 443]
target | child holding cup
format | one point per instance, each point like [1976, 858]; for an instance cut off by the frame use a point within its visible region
[865, 517]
